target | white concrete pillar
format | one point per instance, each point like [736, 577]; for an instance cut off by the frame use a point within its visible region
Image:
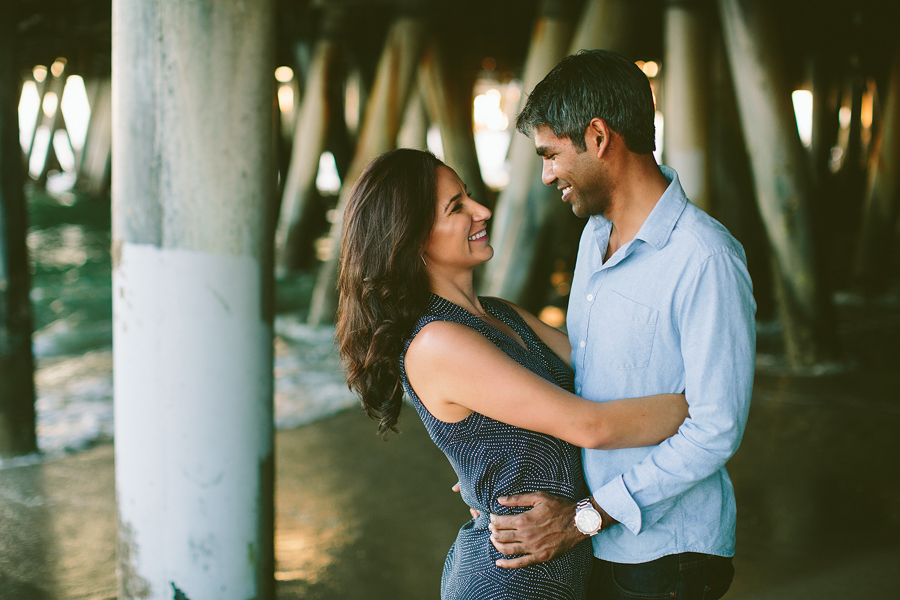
[686, 69]
[193, 179]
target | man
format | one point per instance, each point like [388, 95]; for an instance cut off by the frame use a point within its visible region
[661, 301]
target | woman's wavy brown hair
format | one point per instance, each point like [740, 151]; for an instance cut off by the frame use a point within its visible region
[383, 286]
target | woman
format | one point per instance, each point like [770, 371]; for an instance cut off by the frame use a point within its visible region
[491, 382]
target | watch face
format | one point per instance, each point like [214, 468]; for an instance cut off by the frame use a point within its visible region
[587, 520]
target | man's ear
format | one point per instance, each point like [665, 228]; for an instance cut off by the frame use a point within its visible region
[598, 137]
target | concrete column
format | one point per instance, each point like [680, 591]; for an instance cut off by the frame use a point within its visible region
[17, 433]
[780, 171]
[394, 78]
[882, 200]
[686, 60]
[452, 110]
[193, 180]
[524, 204]
[310, 138]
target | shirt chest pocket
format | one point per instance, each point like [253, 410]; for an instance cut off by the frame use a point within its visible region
[622, 331]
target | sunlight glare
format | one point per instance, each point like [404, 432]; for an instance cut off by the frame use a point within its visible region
[63, 149]
[487, 112]
[327, 179]
[77, 111]
[40, 73]
[39, 151]
[285, 98]
[284, 74]
[803, 107]
[58, 66]
[650, 68]
[29, 105]
[844, 116]
[868, 109]
[49, 106]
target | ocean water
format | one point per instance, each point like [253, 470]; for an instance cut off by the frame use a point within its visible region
[69, 241]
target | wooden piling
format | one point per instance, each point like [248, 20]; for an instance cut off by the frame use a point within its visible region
[414, 130]
[526, 206]
[780, 171]
[450, 101]
[685, 107]
[193, 183]
[310, 136]
[882, 200]
[17, 416]
[55, 85]
[94, 171]
[525, 203]
[394, 80]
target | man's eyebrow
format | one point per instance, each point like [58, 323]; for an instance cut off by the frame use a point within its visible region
[542, 150]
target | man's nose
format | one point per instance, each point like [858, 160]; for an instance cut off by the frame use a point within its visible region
[547, 175]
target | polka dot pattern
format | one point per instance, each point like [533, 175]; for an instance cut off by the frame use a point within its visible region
[494, 459]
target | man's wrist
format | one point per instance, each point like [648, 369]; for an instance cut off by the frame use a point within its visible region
[607, 520]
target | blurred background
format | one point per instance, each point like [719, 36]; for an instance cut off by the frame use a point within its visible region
[781, 118]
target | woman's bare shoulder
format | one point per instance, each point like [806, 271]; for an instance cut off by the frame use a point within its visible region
[441, 338]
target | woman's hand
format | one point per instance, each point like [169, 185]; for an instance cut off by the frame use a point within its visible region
[472, 511]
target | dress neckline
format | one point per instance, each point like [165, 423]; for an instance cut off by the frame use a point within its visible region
[488, 303]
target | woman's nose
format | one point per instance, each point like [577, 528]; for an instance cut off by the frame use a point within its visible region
[481, 212]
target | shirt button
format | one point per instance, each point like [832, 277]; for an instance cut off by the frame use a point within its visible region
[581, 344]
[590, 298]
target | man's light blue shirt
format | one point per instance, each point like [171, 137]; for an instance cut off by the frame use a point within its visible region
[671, 311]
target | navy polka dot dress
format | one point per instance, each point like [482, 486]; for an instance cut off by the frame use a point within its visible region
[494, 459]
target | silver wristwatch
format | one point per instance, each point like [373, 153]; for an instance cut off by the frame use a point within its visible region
[587, 519]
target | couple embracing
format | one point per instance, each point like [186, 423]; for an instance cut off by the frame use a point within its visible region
[594, 462]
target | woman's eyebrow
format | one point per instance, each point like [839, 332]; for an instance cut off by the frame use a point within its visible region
[451, 201]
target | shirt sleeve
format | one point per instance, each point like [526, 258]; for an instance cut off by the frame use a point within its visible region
[716, 319]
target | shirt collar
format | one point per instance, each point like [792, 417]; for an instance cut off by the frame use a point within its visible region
[661, 221]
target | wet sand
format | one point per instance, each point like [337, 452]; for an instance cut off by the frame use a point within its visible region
[817, 481]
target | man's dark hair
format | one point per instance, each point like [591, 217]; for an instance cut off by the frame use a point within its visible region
[593, 83]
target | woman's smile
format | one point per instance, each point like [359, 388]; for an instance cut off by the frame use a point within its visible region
[481, 235]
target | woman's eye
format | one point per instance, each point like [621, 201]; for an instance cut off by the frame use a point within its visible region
[456, 207]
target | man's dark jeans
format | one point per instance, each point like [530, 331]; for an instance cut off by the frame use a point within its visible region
[687, 576]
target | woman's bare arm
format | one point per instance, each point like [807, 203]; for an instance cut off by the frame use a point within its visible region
[456, 371]
[555, 339]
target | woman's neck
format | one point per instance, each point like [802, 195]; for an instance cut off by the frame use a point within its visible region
[458, 289]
